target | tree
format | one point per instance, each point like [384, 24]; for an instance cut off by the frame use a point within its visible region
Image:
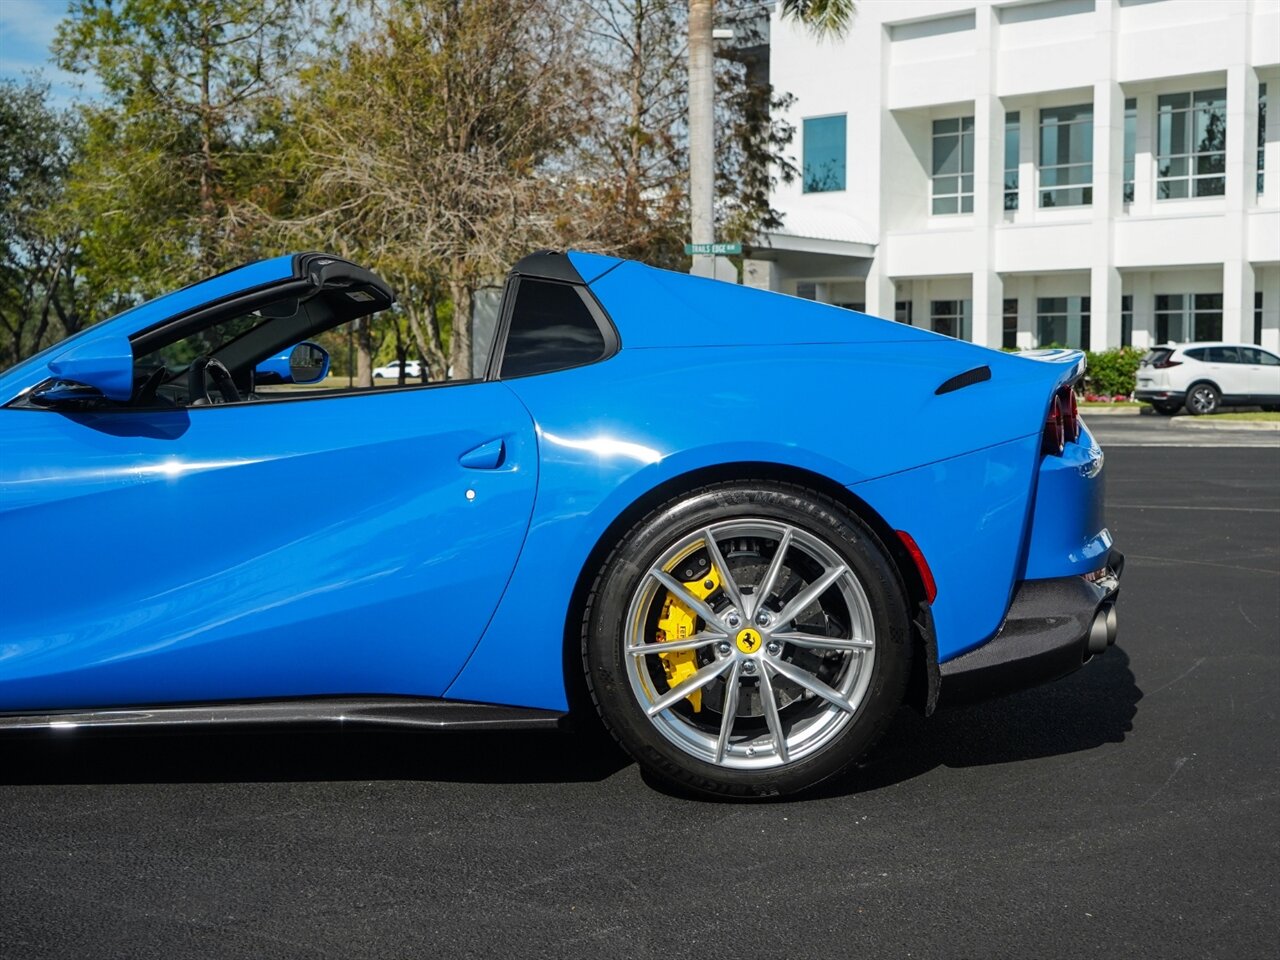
[40, 287]
[174, 143]
[823, 17]
[432, 149]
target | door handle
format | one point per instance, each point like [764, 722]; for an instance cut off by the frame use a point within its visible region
[487, 456]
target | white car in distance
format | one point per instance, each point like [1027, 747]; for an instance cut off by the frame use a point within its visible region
[1204, 377]
[412, 370]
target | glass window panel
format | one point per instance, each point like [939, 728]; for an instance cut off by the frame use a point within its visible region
[1211, 187]
[1174, 167]
[966, 123]
[966, 203]
[946, 155]
[966, 152]
[945, 205]
[1208, 301]
[946, 126]
[945, 185]
[1208, 326]
[1173, 189]
[966, 184]
[1012, 145]
[1175, 101]
[1080, 143]
[1211, 130]
[1209, 163]
[1213, 98]
[824, 153]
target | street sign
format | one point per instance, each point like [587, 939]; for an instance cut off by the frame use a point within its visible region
[713, 249]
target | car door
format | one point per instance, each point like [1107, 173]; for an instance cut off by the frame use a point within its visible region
[337, 544]
[1262, 369]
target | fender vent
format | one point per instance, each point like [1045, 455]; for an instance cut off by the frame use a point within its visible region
[966, 379]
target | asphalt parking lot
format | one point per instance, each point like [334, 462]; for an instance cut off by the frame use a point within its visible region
[1131, 809]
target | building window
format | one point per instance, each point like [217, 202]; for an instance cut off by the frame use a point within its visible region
[857, 306]
[1130, 145]
[953, 165]
[1063, 322]
[1257, 317]
[1191, 145]
[950, 317]
[1009, 329]
[1262, 133]
[1066, 156]
[824, 154]
[1012, 147]
[902, 311]
[1191, 316]
[1126, 320]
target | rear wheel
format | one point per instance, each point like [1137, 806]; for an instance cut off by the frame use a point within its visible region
[747, 639]
[1203, 398]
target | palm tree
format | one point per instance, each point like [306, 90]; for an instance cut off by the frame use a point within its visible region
[823, 17]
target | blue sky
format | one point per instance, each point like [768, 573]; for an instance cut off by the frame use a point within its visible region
[26, 30]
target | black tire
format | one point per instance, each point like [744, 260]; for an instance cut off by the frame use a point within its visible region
[626, 571]
[1271, 407]
[1203, 398]
[1165, 408]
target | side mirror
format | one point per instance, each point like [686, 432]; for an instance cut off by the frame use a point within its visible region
[305, 363]
[99, 368]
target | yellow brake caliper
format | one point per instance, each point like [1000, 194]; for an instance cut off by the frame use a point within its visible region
[678, 622]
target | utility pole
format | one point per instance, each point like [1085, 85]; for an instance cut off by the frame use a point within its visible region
[701, 133]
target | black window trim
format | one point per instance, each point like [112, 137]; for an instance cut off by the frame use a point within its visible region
[608, 332]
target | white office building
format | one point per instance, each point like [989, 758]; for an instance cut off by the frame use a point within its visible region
[1083, 172]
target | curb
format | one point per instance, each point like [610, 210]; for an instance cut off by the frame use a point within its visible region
[1111, 411]
[1203, 423]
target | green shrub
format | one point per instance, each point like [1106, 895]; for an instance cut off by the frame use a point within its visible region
[1114, 372]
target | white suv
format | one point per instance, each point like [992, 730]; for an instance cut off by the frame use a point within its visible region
[412, 368]
[1207, 376]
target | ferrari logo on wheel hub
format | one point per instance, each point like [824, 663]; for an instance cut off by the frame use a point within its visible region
[748, 640]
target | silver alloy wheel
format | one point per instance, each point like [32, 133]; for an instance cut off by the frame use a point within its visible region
[1204, 399]
[800, 711]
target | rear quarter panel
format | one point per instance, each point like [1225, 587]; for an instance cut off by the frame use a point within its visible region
[855, 413]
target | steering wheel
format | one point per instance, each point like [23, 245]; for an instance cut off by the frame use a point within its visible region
[202, 370]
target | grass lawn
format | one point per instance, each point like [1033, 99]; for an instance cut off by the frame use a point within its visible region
[1255, 415]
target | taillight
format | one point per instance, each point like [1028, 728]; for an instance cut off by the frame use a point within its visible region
[1062, 425]
[1166, 363]
[1071, 417]
[1054, 440]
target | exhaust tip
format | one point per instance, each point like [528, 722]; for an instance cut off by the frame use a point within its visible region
[1112, 624]
[1099, 635]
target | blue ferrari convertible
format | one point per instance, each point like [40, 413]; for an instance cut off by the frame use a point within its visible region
[738, 529]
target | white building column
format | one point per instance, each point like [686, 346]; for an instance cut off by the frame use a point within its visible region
[1241, 187]
[1108, 180]
[1144, 310]
[920, 303]
[988, 182]
[1027, 313]
[879, 290]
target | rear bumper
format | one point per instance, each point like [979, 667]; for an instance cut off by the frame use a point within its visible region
[1052, 628]
[1177, 396]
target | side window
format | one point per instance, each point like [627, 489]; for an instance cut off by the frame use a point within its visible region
[1268, 359]
[1198, 354]
[552, 328]
[1253, 356]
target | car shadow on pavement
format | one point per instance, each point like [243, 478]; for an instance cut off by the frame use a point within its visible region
[275, 755]
[1093, 706]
